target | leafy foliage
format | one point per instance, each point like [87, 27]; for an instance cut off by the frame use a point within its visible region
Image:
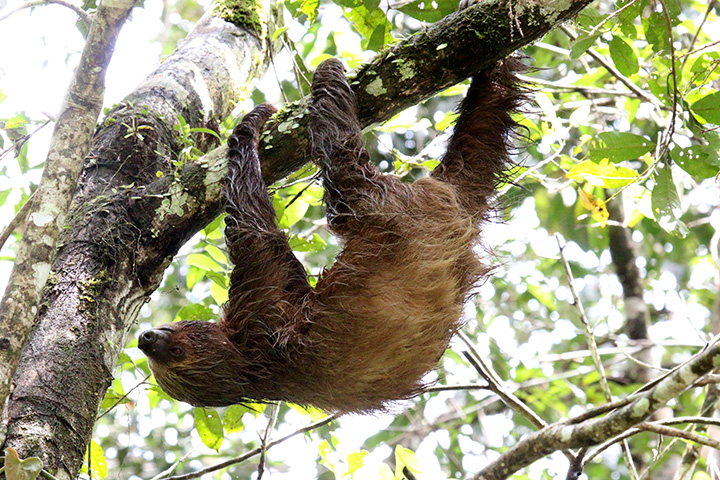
[623, 134]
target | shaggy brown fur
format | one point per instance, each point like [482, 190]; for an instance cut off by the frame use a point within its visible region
[383, 315]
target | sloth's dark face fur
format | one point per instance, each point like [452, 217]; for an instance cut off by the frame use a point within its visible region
[193, 361]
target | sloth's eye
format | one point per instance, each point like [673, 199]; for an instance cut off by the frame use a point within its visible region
[177, 351]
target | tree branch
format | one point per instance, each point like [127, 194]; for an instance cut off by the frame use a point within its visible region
[565, 435]
[69, 145]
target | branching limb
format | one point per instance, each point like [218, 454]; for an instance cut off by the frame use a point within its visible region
[566, 435]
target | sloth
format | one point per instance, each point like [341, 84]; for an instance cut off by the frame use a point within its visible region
[382, 316]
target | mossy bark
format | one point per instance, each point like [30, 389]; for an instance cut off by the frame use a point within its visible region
[111, 255]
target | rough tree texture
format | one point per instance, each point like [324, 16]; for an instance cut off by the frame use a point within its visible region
[70, 143]
[125, 225]
[109, 259]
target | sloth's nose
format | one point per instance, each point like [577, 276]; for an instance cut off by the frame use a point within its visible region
[147, 338]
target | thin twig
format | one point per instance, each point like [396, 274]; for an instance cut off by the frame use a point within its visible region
[172, 467]
[17, 221]
[616, 73]
[681, 434]
[251, 453]
[274, 410]
[19, 142]
[613, 14]
[84, 16]
[122, 398]
[592, 346]
[496, 385]
[710, 7]
[667, 137]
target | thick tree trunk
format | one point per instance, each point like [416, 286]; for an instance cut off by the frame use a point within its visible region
[70, 144]
[110, 258]
[126, 224]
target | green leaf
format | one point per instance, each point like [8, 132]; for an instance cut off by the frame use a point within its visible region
[405, 457]
[376, 42]
[349, 3]
[212, 226]
[547, 298]
[98, 462]
[618, 146]
[656, 31]
[293, 213]
[700, 475]
[371, 4]
[19, 120]
[426, 12]
[313, 244]
[604, 174]
[209, 427]
[16, 469]
[205, 130]
[310, 8]
[581, 45]
[699, 160]
[216, 254]
[194, 275]
[447, 120]
[232, 419]
[279, 206]
[111, 398]
[4, 194]
[195, 312]
[355, 461]
[279, 31]
[666, 203]
[367, 22]
[623, 56]
[22, 158]
[324, 450]
[219, 294]
[220, 279]
[203, 261]
[708, 108]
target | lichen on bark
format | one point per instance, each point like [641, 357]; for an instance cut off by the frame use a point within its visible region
[247, 14]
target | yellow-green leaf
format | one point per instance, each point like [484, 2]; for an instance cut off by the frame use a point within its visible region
[17, 469]
[98, 462]
[209, 427]
[204, 262]
[219, 294]
[666, 203]
[602, 174]
[708, 108]
[355, 461]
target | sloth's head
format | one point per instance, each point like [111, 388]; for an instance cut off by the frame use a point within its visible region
[194, 362]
